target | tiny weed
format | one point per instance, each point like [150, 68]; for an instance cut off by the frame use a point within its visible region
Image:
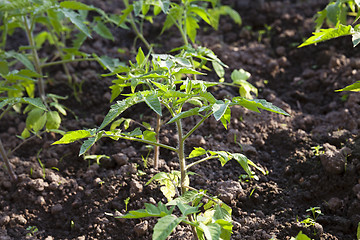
[32, 231]
[126, 201]
[317, 150]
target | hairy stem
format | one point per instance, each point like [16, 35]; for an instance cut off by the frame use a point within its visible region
[181, 155]
[145, 141]
[156, 148]
[23, 142]
[7, 163]
[66, 61]
[198, 125]
[200, 161]
[36, 60]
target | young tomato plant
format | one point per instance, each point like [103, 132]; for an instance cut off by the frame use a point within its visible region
[173, 94]
[185, 16]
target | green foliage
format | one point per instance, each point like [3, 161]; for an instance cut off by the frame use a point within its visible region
[300, 236]
[167, 88]
[169, 84]
[336, 15]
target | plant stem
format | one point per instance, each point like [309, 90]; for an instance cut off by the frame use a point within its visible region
[145, 141]
[23, 142]
[66, 69]
[198, 125]
[156, 148]
[200, 161]
[66, 61]
[7, 163]
[181, 155]
[36, 60]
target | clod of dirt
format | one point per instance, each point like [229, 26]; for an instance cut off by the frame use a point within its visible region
[56, 209]
[333, 160]
[228, 190]
[141, 228]
[356, 190]
[335, 204]
[38, 184]
[136, 188]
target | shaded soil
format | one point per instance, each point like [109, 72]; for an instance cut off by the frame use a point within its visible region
[72, 200]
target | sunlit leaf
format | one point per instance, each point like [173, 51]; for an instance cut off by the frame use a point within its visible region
[164, 227]
[327, 34]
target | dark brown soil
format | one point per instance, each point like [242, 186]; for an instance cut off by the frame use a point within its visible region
[72, 200]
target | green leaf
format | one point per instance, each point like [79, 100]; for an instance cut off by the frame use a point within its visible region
[188, 113]
[219, 69]
[87, 145]
[4, 68]
[154, 103]
[21, 58]
[355, 87]
[254, 104]
[107, 63]
[36, 119]
[358, 232]
[200, 12]
[53, 120]
[243, 161]
[356, 38]
[36, 102]
[198, 151]
[74, 5]
[150, 211]
[211, 231]
[140, 57]
[76, 20]
[165, 226]
[333, 12]
[225, 119]
[191, 26]
[219, 108]
[103, 31]
[232, 13]
[119, 107]
[149, 135]
[301, 236]
[185, 209]
[185, 198]
[73, 136]
[25, 133]
[327, 34]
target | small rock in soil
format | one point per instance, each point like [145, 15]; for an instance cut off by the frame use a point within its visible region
[20, 219]
[4, 220]
[333, 160]
[141, 228]
[40, 200]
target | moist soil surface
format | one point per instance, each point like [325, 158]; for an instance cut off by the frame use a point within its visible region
[68, 197]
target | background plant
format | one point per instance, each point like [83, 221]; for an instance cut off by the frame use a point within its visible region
[336, 16]
[22, 71]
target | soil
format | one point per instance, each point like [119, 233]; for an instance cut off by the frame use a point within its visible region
[72, 200]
